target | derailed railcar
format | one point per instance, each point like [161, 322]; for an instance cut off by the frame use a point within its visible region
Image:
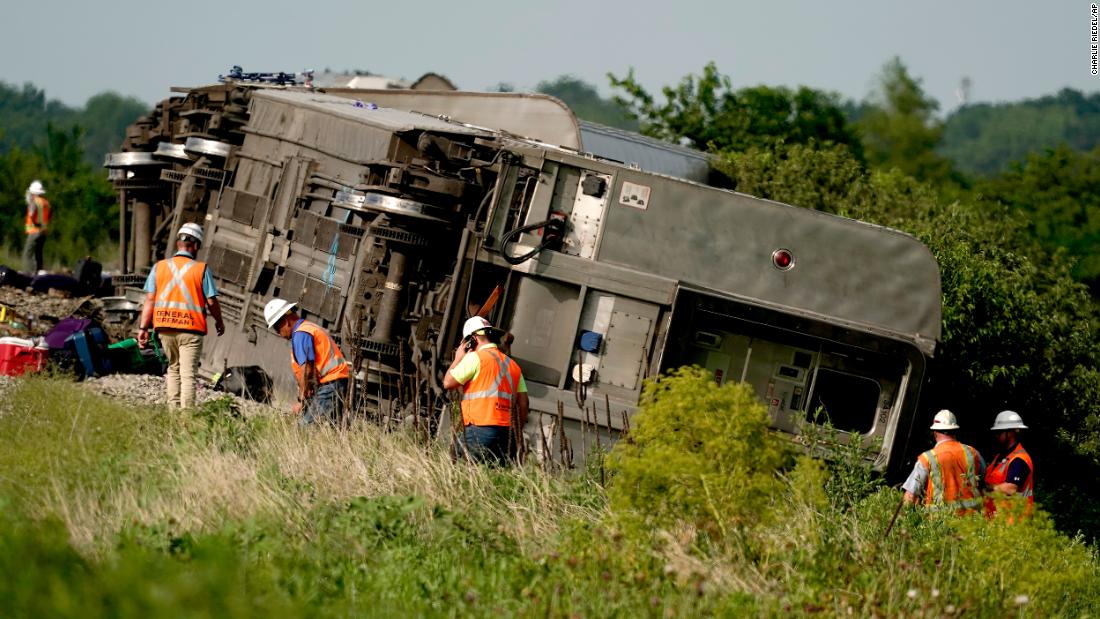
[390, 227]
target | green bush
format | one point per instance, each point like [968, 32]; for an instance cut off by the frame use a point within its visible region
[697, 453]
[1024, 566]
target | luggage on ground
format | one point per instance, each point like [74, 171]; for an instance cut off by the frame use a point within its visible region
[90, 275]
[79, 345]
[126, 356]
[89, 348]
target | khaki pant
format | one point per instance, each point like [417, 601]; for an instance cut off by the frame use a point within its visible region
[183, 350]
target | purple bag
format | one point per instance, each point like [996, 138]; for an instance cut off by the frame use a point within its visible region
[55, 339]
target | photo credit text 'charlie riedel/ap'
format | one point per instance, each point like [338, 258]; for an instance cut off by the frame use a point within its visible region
[1094, 40]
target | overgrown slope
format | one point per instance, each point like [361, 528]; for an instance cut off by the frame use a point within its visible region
[117, 511]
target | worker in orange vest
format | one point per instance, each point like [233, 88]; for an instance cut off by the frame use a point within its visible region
[35, 225]
[319, 367]
[492, 388]
[178, 294]
[948, 476]
[1011, 473]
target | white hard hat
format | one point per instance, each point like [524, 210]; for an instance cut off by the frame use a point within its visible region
[477, 323]
[945, 420]
[189, 229]
[1008, 420]
[276, 309]
[36, 188]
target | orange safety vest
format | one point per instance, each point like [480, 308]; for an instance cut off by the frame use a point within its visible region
[37, 218]
[327, 358]
[953, 476]
[487, 399]
[998, 472]
[179, 302]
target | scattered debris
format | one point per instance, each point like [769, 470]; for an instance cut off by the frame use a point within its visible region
[34, 314]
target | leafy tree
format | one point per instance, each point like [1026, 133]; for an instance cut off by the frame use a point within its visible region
[708, 114]
[1059, 192]
[586, 102]
[899, 126]
[984, 139]
[822, 177]
[105, 117]
[25, 114]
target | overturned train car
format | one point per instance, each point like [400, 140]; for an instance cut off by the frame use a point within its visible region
[390, 227]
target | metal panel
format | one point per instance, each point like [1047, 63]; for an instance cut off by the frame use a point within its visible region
[535, 116]
[307, 226]
[243, 207]
[624, 349]
[586, 219]
[357, 111]
[844, 269]
[543, 322]
[228, 264]
[292, 284]
[326, 234]
[295, 171]
[313, 296]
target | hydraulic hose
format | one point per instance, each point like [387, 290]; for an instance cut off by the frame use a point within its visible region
[555, 229]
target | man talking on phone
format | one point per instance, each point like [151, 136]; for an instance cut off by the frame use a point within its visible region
[494, 396]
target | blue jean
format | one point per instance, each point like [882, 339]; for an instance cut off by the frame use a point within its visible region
[485, 444]
[326, 404]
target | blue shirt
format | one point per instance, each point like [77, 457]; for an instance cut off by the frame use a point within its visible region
[208, 289]
[302, 343]
[1018, 470]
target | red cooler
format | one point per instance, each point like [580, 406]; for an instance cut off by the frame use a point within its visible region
[19, 356]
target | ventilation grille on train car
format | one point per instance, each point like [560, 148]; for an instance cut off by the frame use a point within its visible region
[321, 232]
[246, 208]
[312, 294]
[229, 265]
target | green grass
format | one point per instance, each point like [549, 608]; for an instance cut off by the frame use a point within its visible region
[12, 256]
[110, 510]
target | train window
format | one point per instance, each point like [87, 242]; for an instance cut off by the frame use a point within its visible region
[847, 401]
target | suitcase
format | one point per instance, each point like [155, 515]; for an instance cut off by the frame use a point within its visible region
[89, 348]
[60, 333]
[90, 275]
